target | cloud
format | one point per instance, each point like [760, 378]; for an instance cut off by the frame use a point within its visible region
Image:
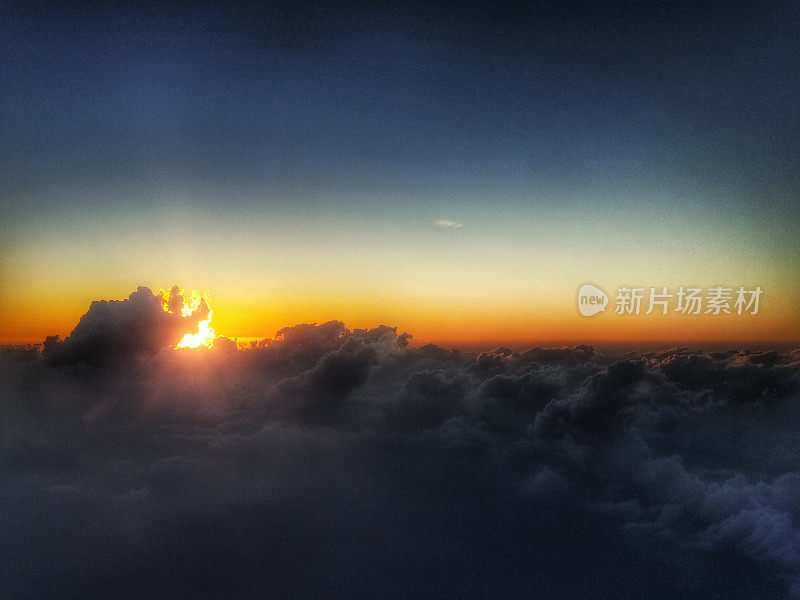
[330, 462]
[113, 330]
[448, 224]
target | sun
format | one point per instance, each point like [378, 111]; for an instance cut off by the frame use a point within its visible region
[175, 302]
[203, 337]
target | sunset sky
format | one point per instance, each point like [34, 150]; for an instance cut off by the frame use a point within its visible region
[319, 300]
[455, 173]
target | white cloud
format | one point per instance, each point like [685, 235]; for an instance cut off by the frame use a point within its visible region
[448, 223]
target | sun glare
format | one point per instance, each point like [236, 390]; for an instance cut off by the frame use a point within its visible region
[175, 301]
[203, 337]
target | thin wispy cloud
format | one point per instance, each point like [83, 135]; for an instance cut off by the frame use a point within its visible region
[448, 224]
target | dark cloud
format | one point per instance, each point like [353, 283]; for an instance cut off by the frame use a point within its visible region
[335, 463]
[115, 330]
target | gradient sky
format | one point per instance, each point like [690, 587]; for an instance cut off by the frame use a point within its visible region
[293, 163]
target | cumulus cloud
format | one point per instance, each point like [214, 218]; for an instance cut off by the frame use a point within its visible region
[114, 330]
[330, 462]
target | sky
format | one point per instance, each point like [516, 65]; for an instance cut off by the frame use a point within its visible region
[414, 231]
[455, 172]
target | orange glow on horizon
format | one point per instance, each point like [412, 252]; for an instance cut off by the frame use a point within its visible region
[459, 322]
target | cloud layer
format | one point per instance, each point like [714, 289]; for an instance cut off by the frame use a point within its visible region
[337, 463]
